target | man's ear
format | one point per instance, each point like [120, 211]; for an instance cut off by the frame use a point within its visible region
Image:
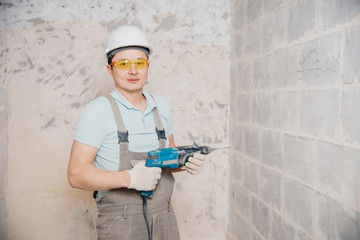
[110, 69]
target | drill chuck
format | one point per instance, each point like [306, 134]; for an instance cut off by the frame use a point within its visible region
[205, 150]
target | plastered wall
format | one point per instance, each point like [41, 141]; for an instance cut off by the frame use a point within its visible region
[52, 64]
[294, 120]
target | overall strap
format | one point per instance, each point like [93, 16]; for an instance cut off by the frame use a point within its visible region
[123, 134]
[160, 131]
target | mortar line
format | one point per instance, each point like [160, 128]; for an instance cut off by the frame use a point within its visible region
[297, 180]
[290, 221]
[307, 136]
[299, 41]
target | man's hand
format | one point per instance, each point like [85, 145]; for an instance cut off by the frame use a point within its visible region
[144, 178]
[195, 163]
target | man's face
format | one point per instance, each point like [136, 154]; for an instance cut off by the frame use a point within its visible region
[132, 80]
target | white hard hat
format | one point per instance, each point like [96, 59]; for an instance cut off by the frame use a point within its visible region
[126, 36]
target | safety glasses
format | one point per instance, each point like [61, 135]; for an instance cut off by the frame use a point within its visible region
[125, 64]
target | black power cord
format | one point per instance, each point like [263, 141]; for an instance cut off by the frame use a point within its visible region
[145, 215]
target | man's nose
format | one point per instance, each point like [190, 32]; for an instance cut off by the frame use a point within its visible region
[133, 69]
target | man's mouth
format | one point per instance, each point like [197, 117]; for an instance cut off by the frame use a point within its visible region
[133, 80]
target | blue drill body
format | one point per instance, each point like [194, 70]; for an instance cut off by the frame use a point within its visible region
[172, 158]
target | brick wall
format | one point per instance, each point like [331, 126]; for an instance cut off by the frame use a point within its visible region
[295, 120]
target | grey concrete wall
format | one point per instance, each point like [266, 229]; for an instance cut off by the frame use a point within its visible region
[52, 64]
[3, 162]
[294, 120]
[3, 138]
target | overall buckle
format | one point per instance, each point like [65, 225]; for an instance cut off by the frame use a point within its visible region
[161, 134]
[123, 136]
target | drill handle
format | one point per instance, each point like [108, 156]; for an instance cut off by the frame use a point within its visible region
[185, 152]
[184, 158]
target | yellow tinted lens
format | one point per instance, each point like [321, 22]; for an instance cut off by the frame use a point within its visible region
[140, 63]
[123, 64]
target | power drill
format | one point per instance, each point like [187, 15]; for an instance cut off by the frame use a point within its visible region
[173, 158]
[170, 158]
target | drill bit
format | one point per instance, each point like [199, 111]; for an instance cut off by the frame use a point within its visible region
[220, 148]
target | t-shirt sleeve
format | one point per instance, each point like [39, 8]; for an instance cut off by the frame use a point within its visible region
[91, 128]
[170, 129]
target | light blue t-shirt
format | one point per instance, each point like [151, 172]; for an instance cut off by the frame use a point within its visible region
[97, 127]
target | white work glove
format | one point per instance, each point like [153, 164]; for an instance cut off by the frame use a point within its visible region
[144, 178]
[195, 163]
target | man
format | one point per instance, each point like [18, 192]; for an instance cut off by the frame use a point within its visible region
[113, 136]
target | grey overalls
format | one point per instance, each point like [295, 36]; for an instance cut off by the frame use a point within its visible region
[121, 210]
